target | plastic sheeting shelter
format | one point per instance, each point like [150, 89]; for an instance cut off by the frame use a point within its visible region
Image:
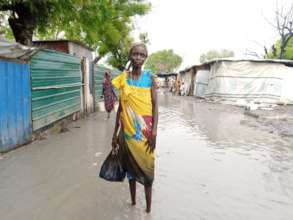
[55, 82]
[265, 81]
[187, 78]
[201, 83]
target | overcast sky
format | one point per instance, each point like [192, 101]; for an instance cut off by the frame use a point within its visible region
[192, 27]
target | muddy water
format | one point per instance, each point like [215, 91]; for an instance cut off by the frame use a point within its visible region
[209, 165]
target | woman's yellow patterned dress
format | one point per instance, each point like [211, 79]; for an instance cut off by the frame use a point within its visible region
[136, 125]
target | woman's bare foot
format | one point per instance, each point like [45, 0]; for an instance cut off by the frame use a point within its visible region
[148, 197]
[132, 187]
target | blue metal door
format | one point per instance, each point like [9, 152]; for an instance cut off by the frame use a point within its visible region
[15, 105]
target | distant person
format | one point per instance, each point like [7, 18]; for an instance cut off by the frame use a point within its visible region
[108, 92]
[137, 119]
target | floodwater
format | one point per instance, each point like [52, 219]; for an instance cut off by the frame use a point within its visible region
[209, 165]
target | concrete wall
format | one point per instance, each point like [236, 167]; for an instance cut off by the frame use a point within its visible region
[80, 51]
[86, 57]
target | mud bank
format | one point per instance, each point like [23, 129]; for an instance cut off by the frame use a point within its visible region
[278, 120]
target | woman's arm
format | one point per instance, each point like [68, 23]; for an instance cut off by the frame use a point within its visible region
[114, 93]
[117, 125]
[155, 111]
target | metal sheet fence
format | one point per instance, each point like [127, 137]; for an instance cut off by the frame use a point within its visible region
[15, 105]
[56, 83]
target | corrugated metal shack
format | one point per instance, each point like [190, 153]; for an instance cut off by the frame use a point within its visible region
[72, 47]
[92, 75]
[85, 54]
[37, 88]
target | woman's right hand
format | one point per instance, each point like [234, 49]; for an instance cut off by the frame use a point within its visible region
[115, 146]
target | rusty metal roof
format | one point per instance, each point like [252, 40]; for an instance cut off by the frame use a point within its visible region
[65, 41]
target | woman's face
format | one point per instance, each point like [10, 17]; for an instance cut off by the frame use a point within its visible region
[107, 74]
[138, 56]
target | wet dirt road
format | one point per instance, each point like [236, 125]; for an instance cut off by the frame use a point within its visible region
[209, 165]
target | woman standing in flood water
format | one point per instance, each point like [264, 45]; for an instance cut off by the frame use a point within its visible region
[135, 131]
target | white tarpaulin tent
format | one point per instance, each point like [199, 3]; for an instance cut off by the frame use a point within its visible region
[264, 81]
[287, 90]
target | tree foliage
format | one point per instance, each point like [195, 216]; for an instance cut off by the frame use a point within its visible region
[5, 31]
[214, 54]
[101, 24]
[119, 57]
[274, 51]
[165, 61]
[284, 26]
[25, 16]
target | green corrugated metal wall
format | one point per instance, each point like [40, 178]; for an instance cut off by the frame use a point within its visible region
[115, 72]
[99, 75]
[56, 83]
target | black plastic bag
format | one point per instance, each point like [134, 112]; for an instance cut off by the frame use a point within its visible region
[112, 169]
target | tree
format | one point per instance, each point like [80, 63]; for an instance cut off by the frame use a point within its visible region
[119, 55]
[164, 61]
[274, 52]
[214, 54]
[101, 24]
[25, 16]
[284, 25]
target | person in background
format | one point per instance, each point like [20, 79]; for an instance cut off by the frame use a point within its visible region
[135, 131]
[108, 92]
